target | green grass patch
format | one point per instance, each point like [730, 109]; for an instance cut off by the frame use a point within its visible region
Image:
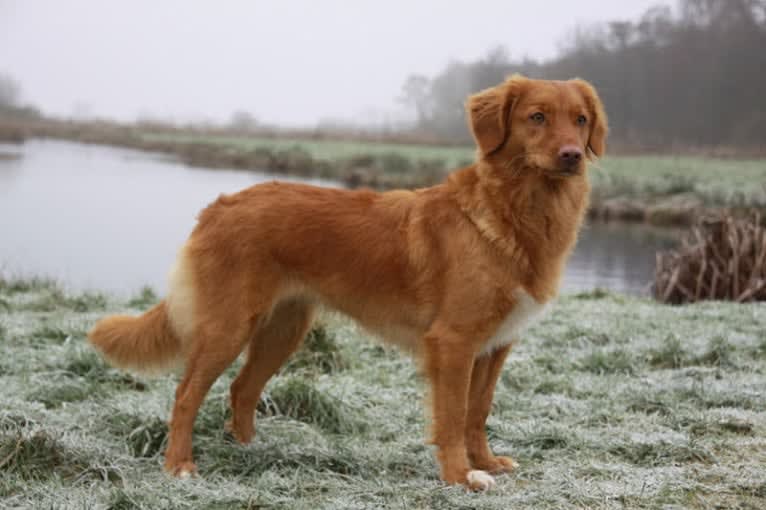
[737, 183]
[331, 150]
[721, 182]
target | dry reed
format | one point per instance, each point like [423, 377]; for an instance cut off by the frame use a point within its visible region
[722, 258]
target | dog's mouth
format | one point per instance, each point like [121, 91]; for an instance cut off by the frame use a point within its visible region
[552, 169]
[569, 171]
[563, 172]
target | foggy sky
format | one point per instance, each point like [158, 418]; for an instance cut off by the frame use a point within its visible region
[289, 62]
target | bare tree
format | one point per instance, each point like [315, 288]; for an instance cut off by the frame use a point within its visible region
[10, 92]
[243, 121]
[415, 94]
[695, 79]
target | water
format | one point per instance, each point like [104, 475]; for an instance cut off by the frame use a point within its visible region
[111, 219]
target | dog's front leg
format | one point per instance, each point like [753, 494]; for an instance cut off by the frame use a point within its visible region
[486, 370]
[449, 361]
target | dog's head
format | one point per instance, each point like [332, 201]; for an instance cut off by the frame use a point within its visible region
[550, 126]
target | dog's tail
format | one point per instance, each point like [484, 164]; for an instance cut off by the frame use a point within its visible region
[146, 343]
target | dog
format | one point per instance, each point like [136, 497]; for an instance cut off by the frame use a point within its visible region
[450, 273]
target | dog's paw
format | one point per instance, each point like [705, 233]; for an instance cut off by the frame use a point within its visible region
[183, 470]
[480, 480]
[496, 465]
[503, 465]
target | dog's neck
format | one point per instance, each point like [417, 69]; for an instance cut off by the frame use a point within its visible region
[531, 218]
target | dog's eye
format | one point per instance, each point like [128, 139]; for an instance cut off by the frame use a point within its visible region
[538, 117]
[581, 120]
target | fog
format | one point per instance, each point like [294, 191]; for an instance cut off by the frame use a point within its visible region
[287, 62]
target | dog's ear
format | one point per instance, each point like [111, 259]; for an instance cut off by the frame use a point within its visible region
[489, 112]
[599, 125]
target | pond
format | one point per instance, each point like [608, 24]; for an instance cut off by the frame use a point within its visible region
[112, 219]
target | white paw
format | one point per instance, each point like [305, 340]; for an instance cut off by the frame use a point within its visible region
[184, 474]
[480, 480]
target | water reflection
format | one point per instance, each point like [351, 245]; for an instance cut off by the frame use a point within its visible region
[112, 219]
[616, 256]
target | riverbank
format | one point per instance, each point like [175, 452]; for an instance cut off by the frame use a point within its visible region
[609, 402]
[659, 190]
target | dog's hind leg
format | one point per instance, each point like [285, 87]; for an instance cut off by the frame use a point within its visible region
[486, 370]
[271, 345]
[215, 346]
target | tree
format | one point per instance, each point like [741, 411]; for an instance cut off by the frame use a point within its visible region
[694, 79]
[243, 121]
[415, 94]
[10, 92]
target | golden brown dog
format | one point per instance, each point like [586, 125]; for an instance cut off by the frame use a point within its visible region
[450, 273]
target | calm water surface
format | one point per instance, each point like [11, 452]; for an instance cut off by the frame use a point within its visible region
[101, 218]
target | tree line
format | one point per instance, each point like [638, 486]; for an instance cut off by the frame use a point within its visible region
[693, 77]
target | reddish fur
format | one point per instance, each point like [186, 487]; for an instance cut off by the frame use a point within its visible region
[146, 342]
[433, 270]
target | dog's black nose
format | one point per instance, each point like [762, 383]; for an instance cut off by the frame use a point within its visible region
[569, 155]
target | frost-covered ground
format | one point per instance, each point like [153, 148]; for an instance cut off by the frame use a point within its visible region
[611, 402]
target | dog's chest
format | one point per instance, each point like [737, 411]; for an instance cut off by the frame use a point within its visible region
[525, 311]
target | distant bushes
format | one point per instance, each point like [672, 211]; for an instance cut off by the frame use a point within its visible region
[381, 171]
[12, 134]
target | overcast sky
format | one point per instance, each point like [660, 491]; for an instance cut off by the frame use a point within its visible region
[289, 62]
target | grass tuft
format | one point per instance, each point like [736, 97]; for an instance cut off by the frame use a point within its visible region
[537, 441]
[50, 333]
[602, 361]
[10, 422]
[719, 353]
[40, 456]
[17, 285]
[145, 299]
[595, 294]
[85, 302]
[89, 365]
[144, 437]
[647, 405]
[670, 355]
[662, 453]
[122, 500]
[300, 400]
[54, 394]
[320, 353]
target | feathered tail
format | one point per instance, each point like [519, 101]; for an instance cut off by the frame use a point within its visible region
[146, 343]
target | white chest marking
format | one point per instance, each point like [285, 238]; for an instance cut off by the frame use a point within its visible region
[527, 309]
